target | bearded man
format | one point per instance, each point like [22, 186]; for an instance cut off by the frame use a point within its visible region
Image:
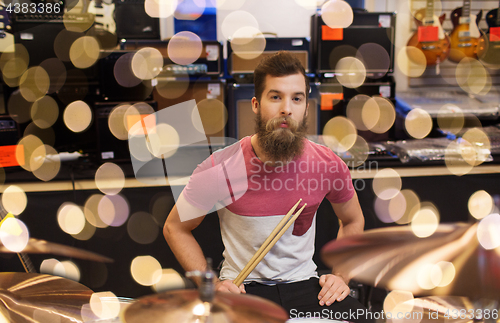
[280, 166]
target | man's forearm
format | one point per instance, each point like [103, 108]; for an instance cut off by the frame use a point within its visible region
[186, 249]
[350, 229]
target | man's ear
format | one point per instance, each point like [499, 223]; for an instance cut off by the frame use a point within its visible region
[307, 110]
[255, 105]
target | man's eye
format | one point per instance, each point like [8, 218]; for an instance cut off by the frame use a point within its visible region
[297, 99]
[275, 97]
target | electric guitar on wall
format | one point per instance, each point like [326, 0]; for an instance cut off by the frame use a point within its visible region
[465, 34]
[488, 50]
[430, 37]
[104, 28]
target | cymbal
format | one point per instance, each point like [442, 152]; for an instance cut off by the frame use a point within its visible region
[394, 258]
[45, 247]
[28, 298]
[185, 306]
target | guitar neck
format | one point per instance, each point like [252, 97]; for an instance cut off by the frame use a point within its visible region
[498, 15]
[466, 8]
[429, 10]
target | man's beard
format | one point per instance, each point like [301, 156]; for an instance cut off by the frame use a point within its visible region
[280, 144]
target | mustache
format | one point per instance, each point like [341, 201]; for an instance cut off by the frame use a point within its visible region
[275, 123]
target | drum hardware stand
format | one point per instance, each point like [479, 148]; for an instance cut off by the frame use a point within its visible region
[206, 288]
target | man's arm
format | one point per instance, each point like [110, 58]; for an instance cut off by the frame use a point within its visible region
[334, 286]
[186, 249]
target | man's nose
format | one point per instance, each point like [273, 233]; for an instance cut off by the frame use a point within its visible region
[286, 108]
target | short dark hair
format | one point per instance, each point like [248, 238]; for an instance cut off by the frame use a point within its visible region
[279, 64]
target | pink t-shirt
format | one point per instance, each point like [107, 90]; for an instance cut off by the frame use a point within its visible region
[252, 197]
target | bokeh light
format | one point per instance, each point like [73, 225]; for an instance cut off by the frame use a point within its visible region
[45, 163]
[472, 76]
[14, 234]
[142, 228]
[337, 14]
[44, 112]
[160, 206]
[91, 211]
[122, 70]
[480, 143]
[411, 61]
[164, 140]
[360, 106]
[425, 221]
[77, 116]
[386, 183]
[236, 20]
[172, 84]
[47, 135]
[85, 21]
[146, 270]
[113, 210]
[14, 199]
[57, 73]
[375, 58]
[169, 280]
[450, 118]
[84, 52]
[480, 204]
[428, 276]
[412, 202]
[213, 115]
[248, 42]
[14, 61]
[339, 134]
[19, 108]
[487, 231]
[184, 48]
[454, 158]
[160, 8]
[48, 266]
[340, 52]
[147, 63]
[109, 178]
[350, 72]
[88, 230]
[67, 269]
[229, 5]
[390, 210]
[117, 123]
[448, 273]
[25, 148]
[34, 83]
[359, 152]
[398, 301]
[418, 123]
[105, 305]
[70, 218]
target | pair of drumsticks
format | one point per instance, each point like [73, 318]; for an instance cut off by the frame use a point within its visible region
[280, 229]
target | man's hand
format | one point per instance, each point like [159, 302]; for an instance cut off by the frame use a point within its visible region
[227, 286]
[333, 289]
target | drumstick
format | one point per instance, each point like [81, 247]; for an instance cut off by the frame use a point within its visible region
[267, 241]
[268, 244]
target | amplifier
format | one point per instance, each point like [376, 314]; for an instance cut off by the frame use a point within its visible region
[130, 88]
[334, 99]
[132, 21]
[9, 136]
[239, 67]
[370, 37]
[208, 64]
[243, 118]
[109, 147]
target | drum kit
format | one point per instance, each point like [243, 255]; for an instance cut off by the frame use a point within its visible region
[392, 258]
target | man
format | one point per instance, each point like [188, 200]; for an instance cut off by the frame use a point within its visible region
[280, 166]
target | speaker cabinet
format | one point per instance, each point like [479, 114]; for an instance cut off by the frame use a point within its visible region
[132, 21]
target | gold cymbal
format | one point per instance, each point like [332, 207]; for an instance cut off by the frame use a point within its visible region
[45, 247]
[182, 306]
[449, 262]
[28, 298]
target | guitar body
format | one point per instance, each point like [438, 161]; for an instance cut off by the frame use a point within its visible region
[435, 51]
[488, 49]
[464, 36]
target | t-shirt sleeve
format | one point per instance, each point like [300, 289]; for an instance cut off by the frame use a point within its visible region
[342, 189]
[204, 187]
